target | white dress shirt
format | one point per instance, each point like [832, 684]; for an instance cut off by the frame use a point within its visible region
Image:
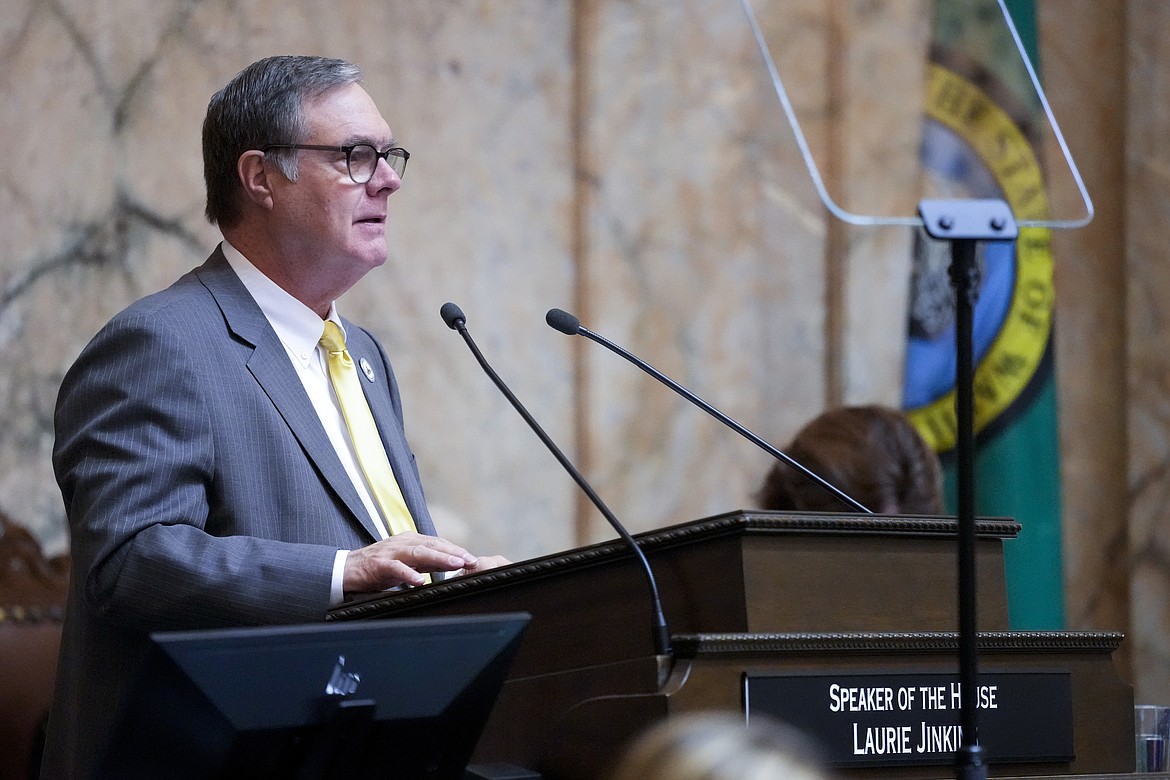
[299, 329]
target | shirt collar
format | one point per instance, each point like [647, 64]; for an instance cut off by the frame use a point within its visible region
[298, 327]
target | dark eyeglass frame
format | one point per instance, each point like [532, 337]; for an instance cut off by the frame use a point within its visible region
[394, 151]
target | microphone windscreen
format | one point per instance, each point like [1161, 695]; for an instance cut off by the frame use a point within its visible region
[563, 321]
[452, 315]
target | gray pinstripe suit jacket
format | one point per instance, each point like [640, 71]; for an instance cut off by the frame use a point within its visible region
[200, 487]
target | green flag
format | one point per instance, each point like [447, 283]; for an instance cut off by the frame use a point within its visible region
[980, 140]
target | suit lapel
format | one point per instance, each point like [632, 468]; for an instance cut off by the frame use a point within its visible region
[276, 376]
[379, 395]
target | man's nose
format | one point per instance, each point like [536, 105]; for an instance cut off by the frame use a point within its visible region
[385, 177]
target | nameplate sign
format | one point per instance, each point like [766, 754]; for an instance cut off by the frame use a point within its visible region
[914, 718]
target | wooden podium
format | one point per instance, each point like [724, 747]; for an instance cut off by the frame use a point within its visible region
[758, 596]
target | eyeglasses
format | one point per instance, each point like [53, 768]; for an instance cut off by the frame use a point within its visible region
[360, 159]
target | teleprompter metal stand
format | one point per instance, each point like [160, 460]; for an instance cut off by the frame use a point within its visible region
[964, 223]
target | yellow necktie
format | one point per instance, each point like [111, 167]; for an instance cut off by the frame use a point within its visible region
[371, 454]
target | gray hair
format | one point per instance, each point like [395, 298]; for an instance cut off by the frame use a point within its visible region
[262, 105]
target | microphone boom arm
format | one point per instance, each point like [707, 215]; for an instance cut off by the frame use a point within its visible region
[568, 324]
[455, 320]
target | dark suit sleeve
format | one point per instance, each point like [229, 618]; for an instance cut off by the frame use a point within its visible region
[138, 424]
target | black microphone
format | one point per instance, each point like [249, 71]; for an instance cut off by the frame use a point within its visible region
[453, 316]
[568, 324]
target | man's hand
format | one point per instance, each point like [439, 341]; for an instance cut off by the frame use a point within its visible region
[402, 559]
[485, 562]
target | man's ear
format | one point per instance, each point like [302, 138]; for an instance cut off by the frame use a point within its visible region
[254, 178]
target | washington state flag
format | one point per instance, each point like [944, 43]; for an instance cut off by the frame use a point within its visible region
[982, 122]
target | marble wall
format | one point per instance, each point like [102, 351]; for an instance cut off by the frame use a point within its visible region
[628, 161]
[1147, 281]
[1084, 50]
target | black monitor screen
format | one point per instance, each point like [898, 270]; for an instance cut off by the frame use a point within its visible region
[399, 698]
